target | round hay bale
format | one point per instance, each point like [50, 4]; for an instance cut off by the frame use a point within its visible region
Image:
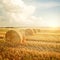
[13, 37]
[38, 30]
[29, 32]
[35, 30]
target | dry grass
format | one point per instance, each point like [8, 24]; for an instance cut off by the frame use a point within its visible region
[21, 53]
[9, 53]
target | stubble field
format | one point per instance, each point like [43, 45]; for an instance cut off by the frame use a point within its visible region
[41, 46]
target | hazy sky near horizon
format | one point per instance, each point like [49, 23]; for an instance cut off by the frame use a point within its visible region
[31, 13]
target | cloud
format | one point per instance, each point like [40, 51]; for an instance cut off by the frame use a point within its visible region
[16, 13]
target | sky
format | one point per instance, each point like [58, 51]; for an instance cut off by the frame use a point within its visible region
[29, 13]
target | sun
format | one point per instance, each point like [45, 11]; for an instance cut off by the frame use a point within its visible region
[53, 24]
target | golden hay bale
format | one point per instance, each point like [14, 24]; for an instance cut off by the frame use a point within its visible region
[13, 37]
[38, 30]
[35, 30]
[29, 32]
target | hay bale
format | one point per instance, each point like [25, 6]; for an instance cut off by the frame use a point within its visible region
[35, 30]
[13, 37]
[29, 32]
[38, 30]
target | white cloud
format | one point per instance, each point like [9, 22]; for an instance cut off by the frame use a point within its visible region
[17, 13]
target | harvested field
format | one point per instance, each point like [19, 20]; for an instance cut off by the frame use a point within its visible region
[41, 46]
[9, 53]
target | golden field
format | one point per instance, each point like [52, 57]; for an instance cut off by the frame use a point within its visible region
[43, 45]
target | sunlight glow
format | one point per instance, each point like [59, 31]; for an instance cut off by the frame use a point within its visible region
[53, 24]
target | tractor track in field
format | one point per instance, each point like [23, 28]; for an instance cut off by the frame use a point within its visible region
[41, 47]
[37, 45]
